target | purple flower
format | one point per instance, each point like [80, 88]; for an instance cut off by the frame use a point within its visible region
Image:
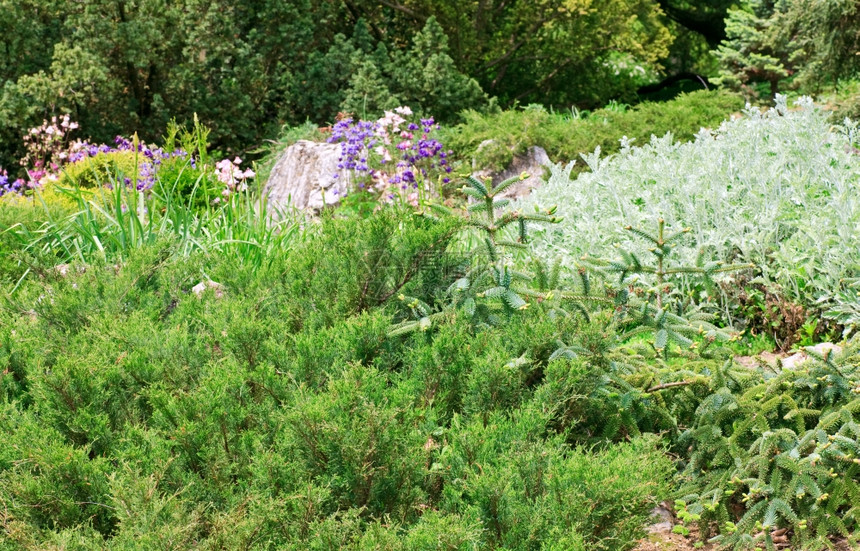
[366, 147]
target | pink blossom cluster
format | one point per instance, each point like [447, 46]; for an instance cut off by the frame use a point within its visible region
[48, 148]
[232, 176]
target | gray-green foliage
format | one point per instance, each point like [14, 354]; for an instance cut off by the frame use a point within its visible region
[775, 188]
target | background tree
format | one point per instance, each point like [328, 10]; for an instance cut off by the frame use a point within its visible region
[752, 51]
[119, 66]
[248, 68]
[558, 52]
[812, 41]
[706, 18]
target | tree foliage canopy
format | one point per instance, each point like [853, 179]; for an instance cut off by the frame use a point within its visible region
[813, 41]
[248, 67]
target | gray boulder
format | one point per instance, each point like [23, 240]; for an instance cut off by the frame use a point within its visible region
[303, 178]
[533, 161]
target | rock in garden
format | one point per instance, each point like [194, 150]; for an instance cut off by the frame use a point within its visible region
[532, 161]
[823, 349]
[794, 361]
[201, 287]
[663, 520]
[304, 177]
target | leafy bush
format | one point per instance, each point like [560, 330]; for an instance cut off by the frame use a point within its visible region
[777, 189]
[566, 136]
[92, 172]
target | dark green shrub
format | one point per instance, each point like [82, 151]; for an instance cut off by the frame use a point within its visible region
[780, 452]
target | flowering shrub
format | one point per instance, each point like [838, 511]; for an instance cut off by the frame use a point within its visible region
[47, 149]
[137, 165]
[392, 156]
[233, 177]
[149, 161]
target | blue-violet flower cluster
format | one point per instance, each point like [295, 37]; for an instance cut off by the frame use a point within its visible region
[7, 186]
[391, 155]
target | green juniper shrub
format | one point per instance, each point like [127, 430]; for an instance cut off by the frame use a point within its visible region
[439, 364]
[46, 481]
[276, 412]
[506, 472]
[364, 441]
[564, 137]
[353, 267]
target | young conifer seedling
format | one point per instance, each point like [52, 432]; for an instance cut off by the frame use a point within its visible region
[492, 288]
[659, 307]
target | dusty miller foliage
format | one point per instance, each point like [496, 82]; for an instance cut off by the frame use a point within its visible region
[774, 188]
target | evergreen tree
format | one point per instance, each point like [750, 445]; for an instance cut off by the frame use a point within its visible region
[750, 52]
[368, 95]
[771, 40]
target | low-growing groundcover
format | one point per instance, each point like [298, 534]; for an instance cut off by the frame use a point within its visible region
[137, 415]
